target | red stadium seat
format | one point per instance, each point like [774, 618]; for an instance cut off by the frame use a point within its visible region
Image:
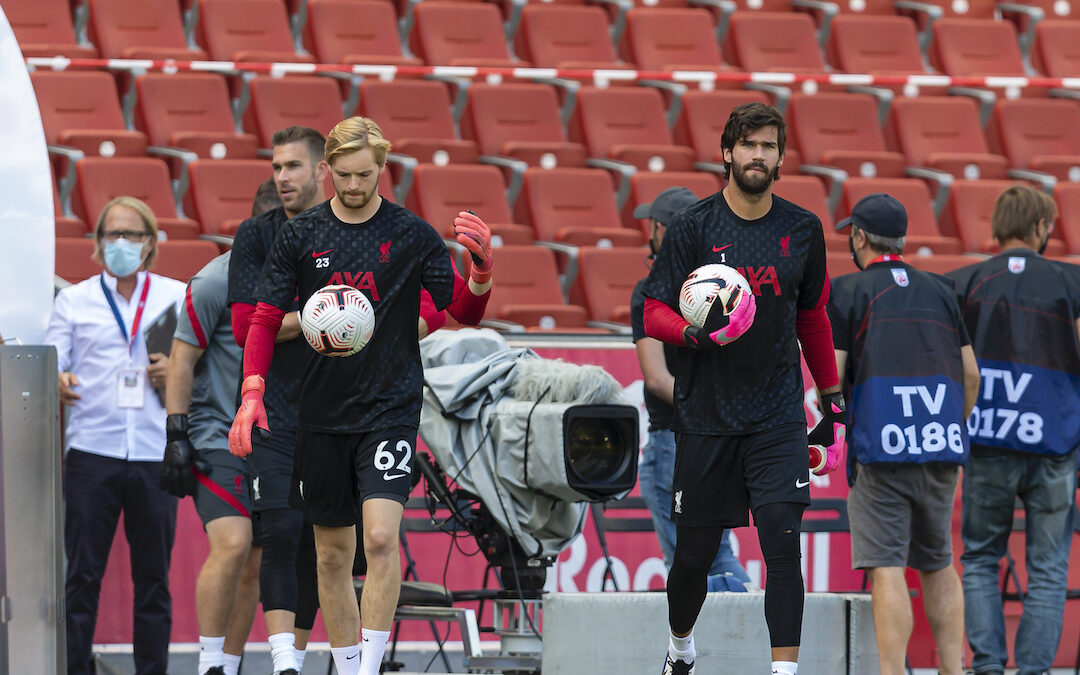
[224, 189]
[1067, 196]
[182, 259]
[923, 231]
[1055, 52]
[574, 206]
[459, 34]
[529, 292]
[354, 31]
[81, 109]
[140, 29]
[966, 9]
[628, 124]
[976, 47]
[672, 39]
[704, 113]
[773, 41]
[875, 44]
[191, 111]
[291, 101]
[943, 132]
[1038, 134]
[100, 180]
[942, 264]
[809, 193]
[565, 36]
[606, 279]
[415, 116]
[440, 192]
[66, 226]
[73, 260]
[247, 30]
[520, 121]
[970, 209]
[839, 264]
[841, 130]
[646, 185]
[44, 28]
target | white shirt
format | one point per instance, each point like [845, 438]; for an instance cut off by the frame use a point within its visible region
[84, 331]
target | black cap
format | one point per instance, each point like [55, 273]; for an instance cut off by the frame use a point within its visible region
[667, 204]
[879, 214]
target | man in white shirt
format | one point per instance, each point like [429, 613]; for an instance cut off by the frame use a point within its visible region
[116, 432]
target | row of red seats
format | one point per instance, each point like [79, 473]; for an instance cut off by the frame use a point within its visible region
[549, 36]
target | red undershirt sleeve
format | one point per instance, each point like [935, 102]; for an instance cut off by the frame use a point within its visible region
[815, 334]
[467, 308]
[241, 320]
[259, 346]
[431, 314]
[664, 323]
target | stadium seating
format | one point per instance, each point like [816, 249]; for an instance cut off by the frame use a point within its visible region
[923, 232]
[1055, 52]
[628, 124]
[941, 264]
[223, 189]
[672, 39]
[606, 279]
[81, 109]
[943, 132]
[100, 180]
[971, 207]
[809, 193]
[976, 47]
[520, 121]
[415, 116]
[646, 185]
[191, 111]
[439, 193]
[73, 262]
[354, 31]
[573, 206]
[291, 101]
[704, 113]
[459, 34]
[247, 30]
[565, 36]
[66, 226]
[182, 259]
[773, 41]
[874, 44]
[1038, 134]
[841, 130]
[839, 264]
[140, 29]
[529, 292]
[44, 28]
[1067, 196]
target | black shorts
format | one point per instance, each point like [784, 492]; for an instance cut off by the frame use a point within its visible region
[271, 466]
[222, 492]
[335, 473]
[719, 478]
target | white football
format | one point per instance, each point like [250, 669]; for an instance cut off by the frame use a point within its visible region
[708, 286]
[337, 321]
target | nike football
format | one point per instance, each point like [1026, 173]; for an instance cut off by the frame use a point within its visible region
[712, 288]
[337, 321]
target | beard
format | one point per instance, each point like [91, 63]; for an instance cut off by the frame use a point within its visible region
[358, 201]
[754, 184]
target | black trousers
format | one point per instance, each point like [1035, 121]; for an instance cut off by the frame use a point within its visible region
[96, 490]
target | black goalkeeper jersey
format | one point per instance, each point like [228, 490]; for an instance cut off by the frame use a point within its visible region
[250, 249]
[388, 259]
[754, 383]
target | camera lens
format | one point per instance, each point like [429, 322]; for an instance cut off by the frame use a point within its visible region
[595, 451]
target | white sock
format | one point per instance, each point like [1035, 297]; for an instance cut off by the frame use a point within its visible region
[211, 652]
[300, 654]
[346, 659]
[374, 646]
[281, 651]
[682, 647]
[232, 664]
[784, 667]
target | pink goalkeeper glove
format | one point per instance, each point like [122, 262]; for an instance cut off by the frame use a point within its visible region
[721, 329]
[473, 234]
[826, 441]
[251, 413]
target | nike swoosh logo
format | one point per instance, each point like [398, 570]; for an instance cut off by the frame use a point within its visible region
[350, 658]
[801, 484]
[387, 476]
[319, 254]
[721, 248]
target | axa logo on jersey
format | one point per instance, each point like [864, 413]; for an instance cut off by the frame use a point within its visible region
[360, 281]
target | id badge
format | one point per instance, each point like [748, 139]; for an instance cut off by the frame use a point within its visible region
[130, 387]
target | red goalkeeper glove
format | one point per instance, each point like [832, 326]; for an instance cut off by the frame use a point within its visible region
[826, 441]
[472, 233]
[251, 413]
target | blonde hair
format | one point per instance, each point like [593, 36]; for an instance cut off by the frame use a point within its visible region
[353, 134]
[1018, 210]
[145, 213]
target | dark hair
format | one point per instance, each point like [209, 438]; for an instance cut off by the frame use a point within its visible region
[747, 118]
[1018, 210]
[266, 198]
[314, 141]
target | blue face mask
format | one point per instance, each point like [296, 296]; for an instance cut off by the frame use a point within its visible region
[123, 257]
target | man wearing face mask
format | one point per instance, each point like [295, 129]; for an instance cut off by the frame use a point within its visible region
[657, 361]
[1023, 314]
[116, 432]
